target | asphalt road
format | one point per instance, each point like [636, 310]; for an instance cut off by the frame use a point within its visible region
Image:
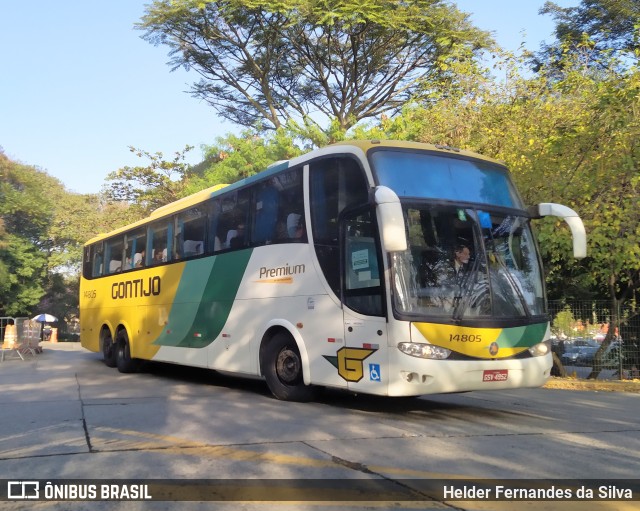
[65, 415]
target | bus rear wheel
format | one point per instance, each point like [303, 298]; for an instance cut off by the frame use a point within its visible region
[282, 369]
[125, 363]
[109, 351]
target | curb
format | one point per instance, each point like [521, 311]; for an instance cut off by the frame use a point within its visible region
[593, 385]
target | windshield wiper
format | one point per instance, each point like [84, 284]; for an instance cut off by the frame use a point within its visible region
[514, 285]
[462, 299]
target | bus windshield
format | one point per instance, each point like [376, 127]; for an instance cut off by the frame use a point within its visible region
[466, 263]
[425, 175]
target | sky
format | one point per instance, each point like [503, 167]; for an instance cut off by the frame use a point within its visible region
[78, 85]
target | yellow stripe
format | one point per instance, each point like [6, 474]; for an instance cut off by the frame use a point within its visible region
[474, 342]
[281, 280]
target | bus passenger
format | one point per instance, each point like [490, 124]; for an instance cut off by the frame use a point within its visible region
[139, 259]
[158, 256]
[237, 241]
[295, 226]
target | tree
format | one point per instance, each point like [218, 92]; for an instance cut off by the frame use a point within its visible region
[237, 157]
[147, 187]
[75, 219]
[573, 139]
[61, 297]
[596, 29]
[314, 63]
[25, 212]
[563, 323]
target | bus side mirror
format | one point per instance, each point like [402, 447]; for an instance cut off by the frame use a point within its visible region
[391, 219]
[573, 221]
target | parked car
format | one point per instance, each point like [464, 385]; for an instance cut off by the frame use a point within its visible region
[581, 341]
[580, 355]
[586, 355]
[570, 356]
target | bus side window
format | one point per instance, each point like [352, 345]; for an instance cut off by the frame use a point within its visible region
[97, 259]
[267, 200]
[191, 231]
[136, 249]
[158, 241]
[114, 255]
[213, 240]
[336, 184]
[233, 218]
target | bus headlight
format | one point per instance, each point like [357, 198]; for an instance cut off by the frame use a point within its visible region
[540, 349]
[421, 350]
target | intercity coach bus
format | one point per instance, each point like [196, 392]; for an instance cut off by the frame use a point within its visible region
[379, 267]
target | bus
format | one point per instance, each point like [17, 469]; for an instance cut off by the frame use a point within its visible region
[334, 269]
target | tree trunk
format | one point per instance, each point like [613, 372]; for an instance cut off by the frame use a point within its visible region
[614, 323]
[558, 368]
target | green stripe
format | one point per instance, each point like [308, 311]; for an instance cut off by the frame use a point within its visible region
[204, 299]
[522, 336]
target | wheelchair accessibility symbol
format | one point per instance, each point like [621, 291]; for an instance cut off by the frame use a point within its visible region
[374, 372]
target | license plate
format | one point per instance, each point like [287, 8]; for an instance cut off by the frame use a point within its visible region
[495, 375]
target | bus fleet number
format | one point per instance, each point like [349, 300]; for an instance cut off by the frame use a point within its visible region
[90, 294]
[465, 338]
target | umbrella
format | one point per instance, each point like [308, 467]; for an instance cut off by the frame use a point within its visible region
[44, 318]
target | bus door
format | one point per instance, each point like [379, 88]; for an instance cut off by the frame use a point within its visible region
[360, 361]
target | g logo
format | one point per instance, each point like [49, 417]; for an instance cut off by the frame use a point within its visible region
[350, 363]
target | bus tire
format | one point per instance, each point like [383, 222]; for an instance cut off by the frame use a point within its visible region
[109, 350]
[125, 363]
[282, 369]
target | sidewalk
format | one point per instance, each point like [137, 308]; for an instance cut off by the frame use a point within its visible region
[594, 385]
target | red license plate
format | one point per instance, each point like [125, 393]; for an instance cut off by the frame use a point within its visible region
[495, 375]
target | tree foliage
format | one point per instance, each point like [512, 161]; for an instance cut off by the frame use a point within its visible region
[237, 157]
[25, 213]
[147, 187]
[595, 29]
[573, 140]
[315, 62]
[563, 323]
[42, 230]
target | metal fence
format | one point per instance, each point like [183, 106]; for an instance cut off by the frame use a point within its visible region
[23, 328]
[26, 328]
[584, 346]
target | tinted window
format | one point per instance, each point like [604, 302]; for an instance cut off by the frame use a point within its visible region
[233, 219]
[160, 241]
[136, 249]
[114, 255]
[418, 174]
[336, 184]
[362, 292]
[190, 232]
[278, 209]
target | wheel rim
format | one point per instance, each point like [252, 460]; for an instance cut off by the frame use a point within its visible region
[288, 366]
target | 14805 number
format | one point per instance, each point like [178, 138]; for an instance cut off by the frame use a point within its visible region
[465, 338]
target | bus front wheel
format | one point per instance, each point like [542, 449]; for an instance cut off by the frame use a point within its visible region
[125, 363]
[109, 351]
[282, 369]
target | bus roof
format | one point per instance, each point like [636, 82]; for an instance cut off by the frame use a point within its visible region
[207, 193]
[366, 145]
